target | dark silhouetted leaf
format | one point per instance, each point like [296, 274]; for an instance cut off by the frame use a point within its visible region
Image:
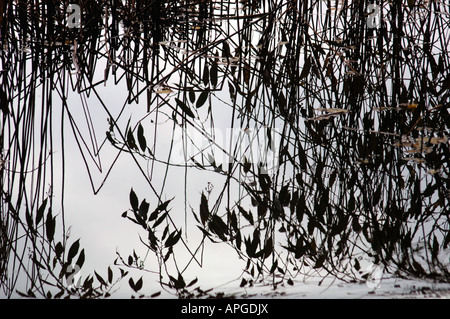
[131, 141]
[141, 138]
[268, 248]
[123, 273]
[351, 204]
[204, 210]
[59, 294]
[156, 294]
[88, 283]
[152, 238]
[173, 238]
[206, 75]
[247, 215]
[238, 240]
[311, 225]
[252, 245]
[435, 246]
[355, 224]
[418, 267]
[285, 195]
[153, 215]
[81, 258]
[202, 99]
[143, 209]
[247, 165]
[319, 262]
[233, 221]
[300, 207]
[246, 71]
[159, 209]
[134, 201]
[160, 220]
[178, 283]
[50, 225]
[59, 250]
[110, 275]
[139, 284]
[226, 52]
[218, 227]
[341, 225]
[100, 279]
[192, 96]
[264, 182]
[213, 74]
[37, 263]
[193, 282]
[185, 108]
[262, 209]
[40, 212]
[29, 220]
[135, 286]
[165, 232]
[357, 265]
[73, 250]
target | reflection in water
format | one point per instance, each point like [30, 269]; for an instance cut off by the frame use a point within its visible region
[327, 121]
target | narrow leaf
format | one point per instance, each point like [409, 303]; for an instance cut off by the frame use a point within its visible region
[173, 238]
[138, 285]
[202, 99]
[130, 260]
[143, 209]
[193, 282]
[110, 275]
[218, 226]
[100, 279]
[247, 215]
[185, 108]
[73, 250]
[134, 201]
[141, 138]
[206, 75]
[204, 210]
[160, 220]
[40, 212]
[29, 219]
[191, 96]
[81, 258]
[213, 74]
[59, 249]
[130, 140]
[50, 226]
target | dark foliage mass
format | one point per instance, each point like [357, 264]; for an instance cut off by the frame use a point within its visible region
[352, 99]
